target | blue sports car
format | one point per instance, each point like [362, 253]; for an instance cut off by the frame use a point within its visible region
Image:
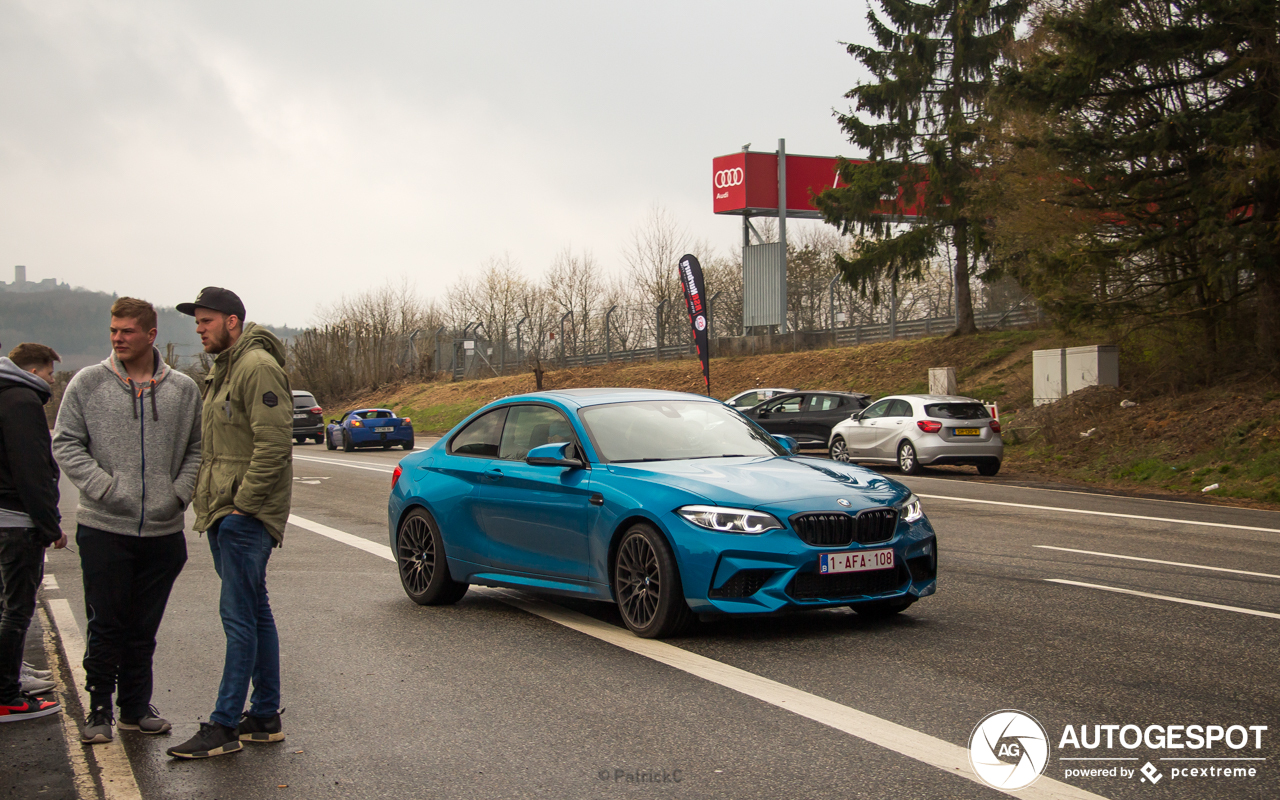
[369, 427]
[669, 504]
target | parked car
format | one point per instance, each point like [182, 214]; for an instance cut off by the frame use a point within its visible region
[915, 430]
[753, 397]
[807, 417]
[667, 504]
[308, 418]
[369, 427]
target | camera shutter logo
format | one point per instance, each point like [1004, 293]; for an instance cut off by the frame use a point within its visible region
[1009, 749]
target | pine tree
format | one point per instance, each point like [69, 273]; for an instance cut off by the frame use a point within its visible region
[1165, 117]
[933, 69]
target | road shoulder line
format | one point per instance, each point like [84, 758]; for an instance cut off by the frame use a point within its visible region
[1156, 561]
[115, 771]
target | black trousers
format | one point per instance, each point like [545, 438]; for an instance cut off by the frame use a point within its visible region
[21, 569]
[127, 580]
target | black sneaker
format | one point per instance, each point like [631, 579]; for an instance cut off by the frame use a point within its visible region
[211, 740]
[260, 729]
[27, 707]
[97, 726]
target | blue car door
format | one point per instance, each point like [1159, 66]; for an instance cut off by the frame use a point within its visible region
[470, 454]
[535, 517]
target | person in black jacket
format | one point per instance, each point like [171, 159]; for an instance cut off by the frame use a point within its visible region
[29, 518]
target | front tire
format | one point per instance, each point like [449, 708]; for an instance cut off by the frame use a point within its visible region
[646, 583]
[328, 442]
[907, 461]
[839, 450]
[424, 573]
[989, 468]
[347, 446]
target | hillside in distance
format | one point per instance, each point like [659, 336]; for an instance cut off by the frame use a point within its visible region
[75, 322]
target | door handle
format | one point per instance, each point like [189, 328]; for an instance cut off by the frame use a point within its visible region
[493, 475]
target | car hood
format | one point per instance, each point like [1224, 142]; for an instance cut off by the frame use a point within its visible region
[768, 481]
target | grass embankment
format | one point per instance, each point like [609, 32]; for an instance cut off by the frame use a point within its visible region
[1169, 443]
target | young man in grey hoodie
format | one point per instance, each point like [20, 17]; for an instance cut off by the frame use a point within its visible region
[128, 436]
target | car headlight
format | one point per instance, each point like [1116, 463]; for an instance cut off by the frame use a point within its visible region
[729, 520]
[910, 511]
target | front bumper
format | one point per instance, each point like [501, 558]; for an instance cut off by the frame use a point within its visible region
[777, 571]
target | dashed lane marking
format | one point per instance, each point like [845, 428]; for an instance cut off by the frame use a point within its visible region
[1182, 600]
[1100, 513]
[1158, 561]
[943, 755]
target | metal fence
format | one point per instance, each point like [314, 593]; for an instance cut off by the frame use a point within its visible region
[469, 353]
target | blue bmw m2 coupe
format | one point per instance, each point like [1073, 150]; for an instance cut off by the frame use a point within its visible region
[667, 504]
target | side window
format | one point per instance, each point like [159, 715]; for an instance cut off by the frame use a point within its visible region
[877, 410]
[345, 417]
[481, 436]
[900, 408]
[747, 400]
[532, 426]
[788, 405]
[824, 402]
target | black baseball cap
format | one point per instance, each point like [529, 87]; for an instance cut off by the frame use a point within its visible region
[217, 299]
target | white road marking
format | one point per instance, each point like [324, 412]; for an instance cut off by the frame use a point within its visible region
[1100, 513]
[118, 782]
[1158, 561]
[1184, 601]
[341, 463]
[50, 582]
[380, 550]
[83, 777]
[948, 757]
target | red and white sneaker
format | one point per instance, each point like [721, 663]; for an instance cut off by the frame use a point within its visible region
[27, 707]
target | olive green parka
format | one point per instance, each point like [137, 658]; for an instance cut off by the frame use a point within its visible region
[246, 459]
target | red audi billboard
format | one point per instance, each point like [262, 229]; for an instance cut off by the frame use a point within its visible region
[747, 183]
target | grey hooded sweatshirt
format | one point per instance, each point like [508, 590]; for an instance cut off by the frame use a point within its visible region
[133, 450]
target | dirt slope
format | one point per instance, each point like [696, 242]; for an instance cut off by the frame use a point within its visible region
[1167, 444]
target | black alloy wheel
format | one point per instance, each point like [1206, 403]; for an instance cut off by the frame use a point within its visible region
[839, 451]
[347, 446]
[646, 583]
[907, 461]
[424, 574]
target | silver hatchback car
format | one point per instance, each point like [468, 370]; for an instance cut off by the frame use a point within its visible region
[915, 430]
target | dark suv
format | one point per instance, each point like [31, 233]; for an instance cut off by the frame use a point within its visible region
[307, 420]
[807, 417]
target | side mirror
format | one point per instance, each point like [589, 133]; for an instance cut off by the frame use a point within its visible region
[557, 454]
[857, 415]
[786, 441]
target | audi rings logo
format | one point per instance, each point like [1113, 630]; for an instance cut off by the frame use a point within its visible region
[1009, 749]
[729, 177]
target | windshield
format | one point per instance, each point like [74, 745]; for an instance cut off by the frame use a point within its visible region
[956, 411]
[666, 430]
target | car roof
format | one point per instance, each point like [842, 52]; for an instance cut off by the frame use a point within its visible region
[821, 391]
[581, 398]
[297, 392]
[931, 398]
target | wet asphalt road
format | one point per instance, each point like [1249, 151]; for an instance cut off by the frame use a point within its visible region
[483, 700]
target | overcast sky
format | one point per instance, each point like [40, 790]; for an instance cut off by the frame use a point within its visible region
[296, 151]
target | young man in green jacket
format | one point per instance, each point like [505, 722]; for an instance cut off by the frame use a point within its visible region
[243, 491]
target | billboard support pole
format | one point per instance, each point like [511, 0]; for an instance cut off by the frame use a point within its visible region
[782, 227]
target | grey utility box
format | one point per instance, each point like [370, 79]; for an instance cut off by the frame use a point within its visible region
[1092, 365]
[1048, 376]
[942, 380]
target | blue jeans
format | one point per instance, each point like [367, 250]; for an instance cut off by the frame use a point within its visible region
[241, 547]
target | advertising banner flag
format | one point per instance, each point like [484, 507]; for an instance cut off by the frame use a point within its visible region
[695, 294]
